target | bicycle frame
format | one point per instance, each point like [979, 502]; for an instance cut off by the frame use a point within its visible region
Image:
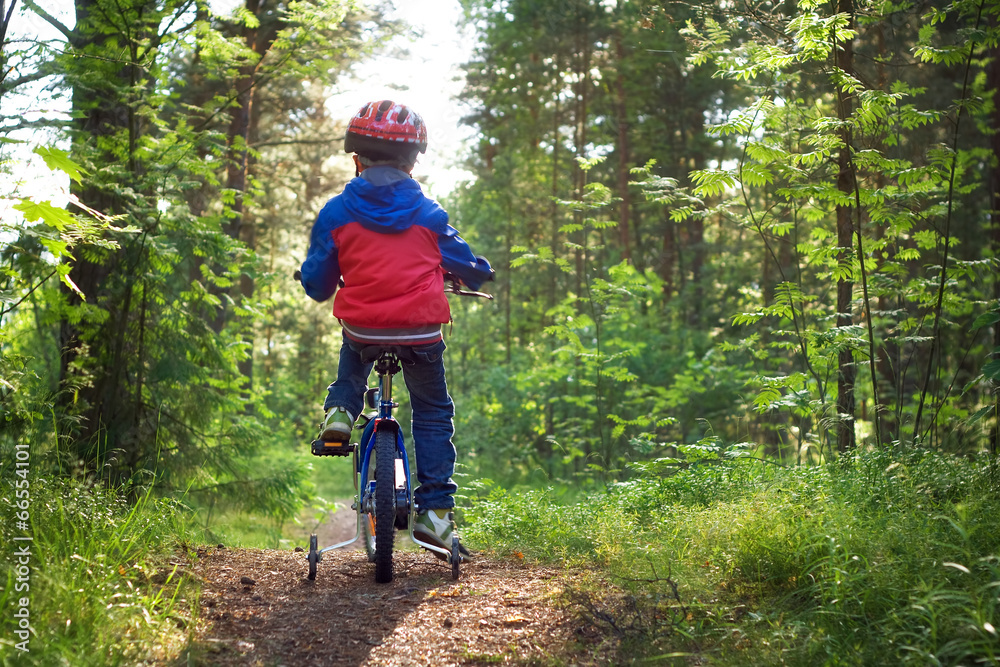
[386, 365]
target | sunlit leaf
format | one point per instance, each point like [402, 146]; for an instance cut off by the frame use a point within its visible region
[59, 160]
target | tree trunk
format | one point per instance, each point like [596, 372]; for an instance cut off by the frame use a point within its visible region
[554, 209]
[242, 132]
[846, 369]
[508, 273]
[668, 257]
[890, 390]
[993, 75]
[583, 72]
[696, 242]
[621, 119]
[101, 363]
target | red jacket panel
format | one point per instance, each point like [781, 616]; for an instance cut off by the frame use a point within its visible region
[390, 280]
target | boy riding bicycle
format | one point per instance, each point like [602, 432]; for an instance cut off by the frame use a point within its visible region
[388, 242]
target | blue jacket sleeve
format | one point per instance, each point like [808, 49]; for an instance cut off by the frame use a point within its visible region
[457, 257]
[321, 270]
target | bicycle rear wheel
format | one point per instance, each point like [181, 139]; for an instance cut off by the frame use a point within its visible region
[385, 503]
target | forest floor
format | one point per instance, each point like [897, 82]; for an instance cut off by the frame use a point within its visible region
[259, 608]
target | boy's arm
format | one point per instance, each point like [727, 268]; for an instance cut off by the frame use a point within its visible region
[457, 258]
[321, 270]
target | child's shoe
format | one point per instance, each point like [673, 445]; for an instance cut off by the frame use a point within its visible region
[436, 527]
[337, 426]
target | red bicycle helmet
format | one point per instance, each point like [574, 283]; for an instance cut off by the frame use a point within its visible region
[387, 130]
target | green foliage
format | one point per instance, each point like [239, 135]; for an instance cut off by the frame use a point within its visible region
[150, 347]
[738, 236]
[132, 376]
[51, 235]
[910, 155]
[890, 559]
[103, 585]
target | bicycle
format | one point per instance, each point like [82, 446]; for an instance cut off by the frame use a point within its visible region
[384, 503]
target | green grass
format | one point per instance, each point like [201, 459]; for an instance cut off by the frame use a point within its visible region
[102, 589]
[890, 559]
[330, 487]
[269, 525]
[103, 585]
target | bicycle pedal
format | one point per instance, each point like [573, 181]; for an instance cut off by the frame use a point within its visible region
[321, 448]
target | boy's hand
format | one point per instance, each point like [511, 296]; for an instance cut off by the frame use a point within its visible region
[457, 285]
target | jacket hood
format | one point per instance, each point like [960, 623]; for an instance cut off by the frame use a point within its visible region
[391, 208]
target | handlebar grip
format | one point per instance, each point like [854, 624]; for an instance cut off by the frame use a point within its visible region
[297, 275]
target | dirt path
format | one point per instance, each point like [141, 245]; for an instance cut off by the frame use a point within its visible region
[498, 612]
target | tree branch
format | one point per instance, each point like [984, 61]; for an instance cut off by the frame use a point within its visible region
[28, 78]
[169, 28]
[17, 303]
[24, 124]
[3, 26]
[51, 20]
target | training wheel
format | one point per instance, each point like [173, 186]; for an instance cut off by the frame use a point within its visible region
[313, 557]
[456, 557]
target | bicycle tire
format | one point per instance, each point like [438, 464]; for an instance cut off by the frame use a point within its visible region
[313, 556]
[456, 557]
[385, 503]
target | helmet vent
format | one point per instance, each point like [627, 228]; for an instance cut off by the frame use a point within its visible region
[402, 116]
[383, 106]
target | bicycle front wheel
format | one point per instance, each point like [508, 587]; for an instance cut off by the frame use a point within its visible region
[385, 503]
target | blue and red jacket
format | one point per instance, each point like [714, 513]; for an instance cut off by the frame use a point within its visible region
[389, 243]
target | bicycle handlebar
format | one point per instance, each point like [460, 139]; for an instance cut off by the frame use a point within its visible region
[453, 286]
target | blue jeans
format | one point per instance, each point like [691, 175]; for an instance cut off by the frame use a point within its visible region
[433, 412]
